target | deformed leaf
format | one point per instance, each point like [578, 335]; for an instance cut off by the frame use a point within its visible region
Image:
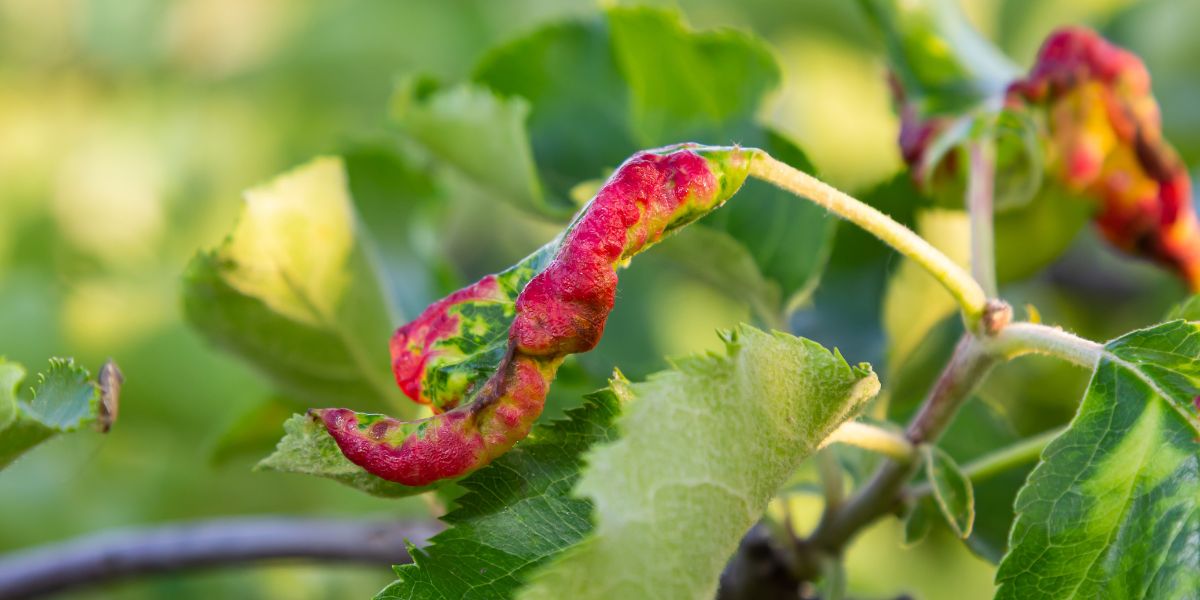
[951, 489]
[593, 99]
[519, 513]
[64, 400]
[295, 292]
[1113, 509]
[308, 448]
[703, 449]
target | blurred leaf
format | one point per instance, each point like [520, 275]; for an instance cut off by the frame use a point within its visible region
[256, 432]
[579, 122]
[293, 291]
[951, 489]
[309, 449]
[399, 203]
[703, 449]
[943, 64]
[693, 82]
[11, 376]
[64, 400]
[919, 521]
[913, 377]
[915, 301]
[1113, 509]
[1188, 310]
[480, 133]
[1031, 237]
[519, 512]
[717, 258]
[790, 238]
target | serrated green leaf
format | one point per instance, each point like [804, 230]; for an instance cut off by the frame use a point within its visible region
[1113, 509]
[703, 449]
[294, 291]
[64, 400]
[951, 489]
[308, 448]
[518, 514]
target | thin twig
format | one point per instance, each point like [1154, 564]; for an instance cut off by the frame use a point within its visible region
[960, 284]
[114, 555]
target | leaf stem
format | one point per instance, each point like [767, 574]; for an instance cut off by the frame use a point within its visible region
[1025, 338]
[960, 284]
[1001, 461]
[875, 439]
[981, 178]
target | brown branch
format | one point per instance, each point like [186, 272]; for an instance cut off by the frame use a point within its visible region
[114, 555]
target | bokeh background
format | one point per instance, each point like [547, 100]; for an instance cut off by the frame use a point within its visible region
[128, 129]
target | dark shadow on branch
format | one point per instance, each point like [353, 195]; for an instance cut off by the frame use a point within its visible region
[114, 555]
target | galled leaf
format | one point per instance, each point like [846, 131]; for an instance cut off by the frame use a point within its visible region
[1113, 509]
[486, 385]
[294, 291]
[593, 99]
[307, 448]
[703, 449]
[518, 513]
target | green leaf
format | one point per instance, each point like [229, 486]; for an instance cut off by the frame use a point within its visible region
[294, 291]
[943, 64]
[480, 133]
[919, 522]
[720, 260]
[951, 490]
[703, 448]
[518, 514]
[64, 400]
[685, 83]
[1188, 310]
[1113, 509]
[399, 203]
[309, 449]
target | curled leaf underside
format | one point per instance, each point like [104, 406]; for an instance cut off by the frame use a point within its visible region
[483, 358]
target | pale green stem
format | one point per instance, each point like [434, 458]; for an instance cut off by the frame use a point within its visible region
[875, 439]
[1003, 460]
[956, 279]
[1024, 338]
[981, 178]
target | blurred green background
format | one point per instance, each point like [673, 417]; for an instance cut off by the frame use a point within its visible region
[128, 129]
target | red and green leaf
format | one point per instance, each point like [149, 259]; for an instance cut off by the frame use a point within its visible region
[484, 357]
